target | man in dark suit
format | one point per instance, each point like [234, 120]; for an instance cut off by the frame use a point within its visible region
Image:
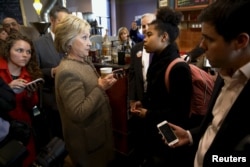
[134, 33]
[49, 59]
[221, 138]
[137, 85]
[139, 64]
[7, 103]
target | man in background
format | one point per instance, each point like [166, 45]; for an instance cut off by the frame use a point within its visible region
[224, 133]
[48, 59]
[134, 33]
[10, 24]
[137, 85]
[7, 103]
[139, 64]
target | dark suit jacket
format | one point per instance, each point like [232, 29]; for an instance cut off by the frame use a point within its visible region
[7, 98]
[136, 89]
[47, 57]
[234, 128]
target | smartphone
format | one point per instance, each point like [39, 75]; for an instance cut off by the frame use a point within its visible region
[33, 85]
[167, 133]
[37, 81]
[119, 73]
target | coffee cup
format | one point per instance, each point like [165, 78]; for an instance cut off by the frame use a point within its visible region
[105, 71]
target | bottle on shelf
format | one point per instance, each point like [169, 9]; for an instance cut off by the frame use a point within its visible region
[121, 54]
[114, 53]
[106, 48]
[127, 52]
[93, 53]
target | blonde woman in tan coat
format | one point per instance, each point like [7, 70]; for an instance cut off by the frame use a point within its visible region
[80, 93]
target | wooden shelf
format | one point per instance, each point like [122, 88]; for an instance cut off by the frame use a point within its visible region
[190, 30]
[188, 39]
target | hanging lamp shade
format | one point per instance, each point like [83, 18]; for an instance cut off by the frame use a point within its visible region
[38, 6]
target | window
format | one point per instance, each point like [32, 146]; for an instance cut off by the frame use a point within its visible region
[101, 10]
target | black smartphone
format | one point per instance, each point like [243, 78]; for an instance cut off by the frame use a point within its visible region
[167, 133]
[37, 81]
[33, 85]
[119, 73]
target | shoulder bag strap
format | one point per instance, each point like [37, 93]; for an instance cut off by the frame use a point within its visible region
[169, 69]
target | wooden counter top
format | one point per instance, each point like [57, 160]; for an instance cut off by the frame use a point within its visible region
[99, 65]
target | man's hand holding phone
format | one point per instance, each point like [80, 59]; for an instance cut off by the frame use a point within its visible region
[183, 135]
[168, 134]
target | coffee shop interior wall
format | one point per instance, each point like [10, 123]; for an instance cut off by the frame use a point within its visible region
[126, 10]
[122, 11]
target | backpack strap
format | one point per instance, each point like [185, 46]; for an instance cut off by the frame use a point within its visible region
[169, 69]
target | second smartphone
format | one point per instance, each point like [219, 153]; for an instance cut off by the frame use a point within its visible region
[167, 133]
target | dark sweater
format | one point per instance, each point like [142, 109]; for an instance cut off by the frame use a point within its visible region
[173, 106]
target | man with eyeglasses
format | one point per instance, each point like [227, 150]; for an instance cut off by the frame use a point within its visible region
[48, 59]
[10, 24]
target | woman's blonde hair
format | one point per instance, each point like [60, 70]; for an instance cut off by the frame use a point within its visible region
[67, 30]
[120, 31]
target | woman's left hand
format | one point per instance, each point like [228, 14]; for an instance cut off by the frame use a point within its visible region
[107, 82]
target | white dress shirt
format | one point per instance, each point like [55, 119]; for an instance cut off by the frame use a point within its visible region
[145, 65]
[52, 35]
[229, 93]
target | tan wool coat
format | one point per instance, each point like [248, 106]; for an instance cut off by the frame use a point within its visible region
[85, 113]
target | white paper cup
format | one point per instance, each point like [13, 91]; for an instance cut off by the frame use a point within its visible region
[105, 71]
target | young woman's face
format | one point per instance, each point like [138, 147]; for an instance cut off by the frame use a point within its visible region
[20, 53]
[153, 42]
[3, 35]
[80, 46]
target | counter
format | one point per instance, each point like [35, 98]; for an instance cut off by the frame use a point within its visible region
[115, 66]
[118, 96]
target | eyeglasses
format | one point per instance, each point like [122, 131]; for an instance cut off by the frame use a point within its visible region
[8, 25]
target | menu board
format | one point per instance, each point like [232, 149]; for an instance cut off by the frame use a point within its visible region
[186, 3]
[11, 8]
[163, 3]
